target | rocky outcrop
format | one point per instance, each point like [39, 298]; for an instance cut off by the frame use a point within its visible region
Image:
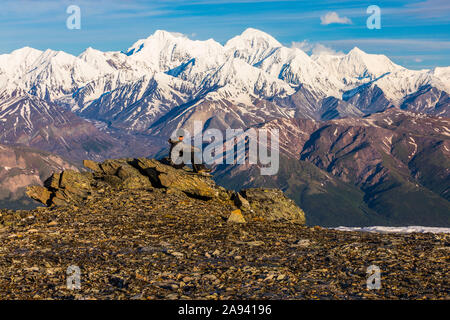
[70, 187]
[273, 205]
[162, 175]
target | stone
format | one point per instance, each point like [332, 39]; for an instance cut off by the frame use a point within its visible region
[72, 187]
[92, 165]
[255, 243]
[136, 183]
[111, 167]
[132, 178]
[39, 193]
[53, 181]
[178, 255]
[241, 202]
[113, 181]
[273, 205]
[127, 171]
[192, 184]
[236, 217]
[75, 181]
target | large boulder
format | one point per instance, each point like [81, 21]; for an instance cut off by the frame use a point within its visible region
[76, 182]
[161, 175]
[132, 178]
[70, 186]
[63, 188]
[40, 194]
[92, 165]
[273, 205]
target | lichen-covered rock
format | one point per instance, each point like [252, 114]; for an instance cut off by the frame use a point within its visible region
[92, 165]
[53, 181]
[39, 193]
[111, 167]
[241, 202]
[132, 178]
[76, 182]
[236, 217]
[113, 181]
[273, 205]
[165, 176]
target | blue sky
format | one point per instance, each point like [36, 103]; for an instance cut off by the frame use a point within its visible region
[413, 33]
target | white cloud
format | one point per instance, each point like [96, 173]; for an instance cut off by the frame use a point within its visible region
[322, 49]
[333, 17]
[418, 60]
[315, 48]
[305, 45]
[178, 34]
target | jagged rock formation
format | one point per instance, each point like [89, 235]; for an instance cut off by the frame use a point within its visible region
[74, 188]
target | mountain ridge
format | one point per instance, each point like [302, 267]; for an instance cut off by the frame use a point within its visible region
[125, 104]
[163, 51]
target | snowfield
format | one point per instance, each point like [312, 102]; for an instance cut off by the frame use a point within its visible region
[410, 229]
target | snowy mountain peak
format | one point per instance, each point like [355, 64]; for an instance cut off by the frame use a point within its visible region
[357, 66]
[60, 56]
[90, 50]
[252, 38]
[26, 51]
[163, 34]
[356, 51]
[251, 34]
[159, 36]
[252, 46]
[164, 51]
[250, 67]
[371, 61]
[18, 61]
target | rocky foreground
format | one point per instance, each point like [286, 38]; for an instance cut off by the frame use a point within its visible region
[138, 229]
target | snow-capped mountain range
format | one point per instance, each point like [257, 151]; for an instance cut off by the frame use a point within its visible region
[168, 80]
[356, 130]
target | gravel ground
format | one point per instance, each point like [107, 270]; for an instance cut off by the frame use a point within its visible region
[153, 244]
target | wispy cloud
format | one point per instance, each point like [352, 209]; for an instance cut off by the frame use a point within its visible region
[315, 48]
[333, 17]
[408, 43]
[429, 8]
